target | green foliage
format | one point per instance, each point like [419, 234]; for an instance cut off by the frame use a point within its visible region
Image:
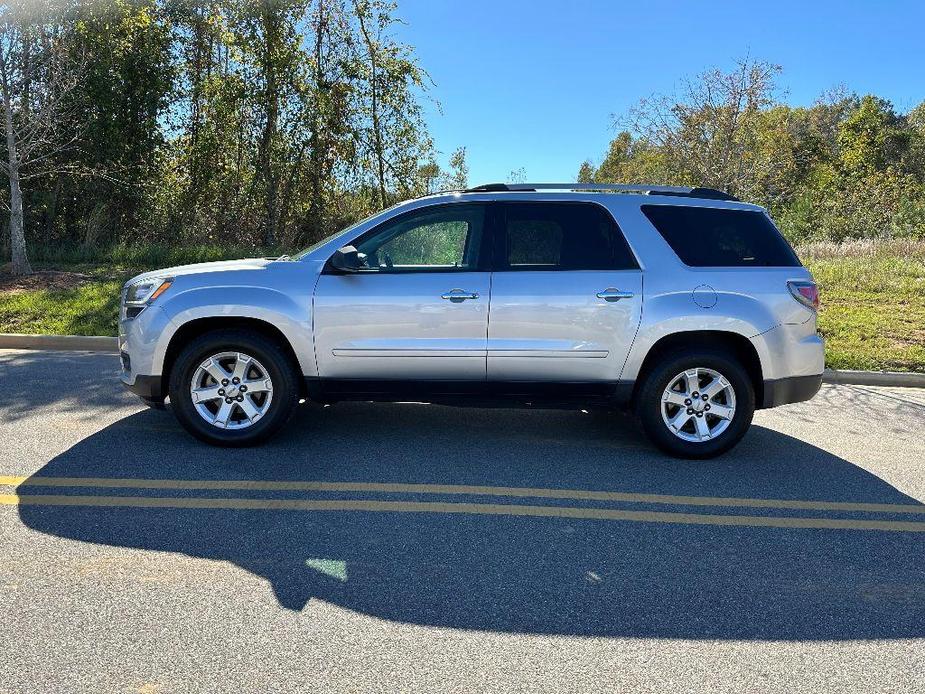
[586, 172]
[458, 178]
[231, 123]
[128, 77]
[847, 167]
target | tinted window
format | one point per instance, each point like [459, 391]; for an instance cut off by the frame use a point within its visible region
[445, 238]
[706, 237]
[562, 236]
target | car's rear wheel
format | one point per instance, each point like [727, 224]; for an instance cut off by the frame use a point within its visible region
[233, 387]
[696, 404]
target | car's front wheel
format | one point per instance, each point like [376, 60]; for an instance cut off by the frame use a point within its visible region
[697, 404]
[233, 387]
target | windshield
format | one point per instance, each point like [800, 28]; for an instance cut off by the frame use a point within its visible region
[318, 244]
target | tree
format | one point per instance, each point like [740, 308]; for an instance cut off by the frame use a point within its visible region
[706, 134]
[364, 13]
[331, 112]
[120, 112]
[619, 153]
[844, 167]
[391, 132]
[36, 76]
[199, 26]
[458, 178]
[586, 172]
[274, 68]
[873, 136]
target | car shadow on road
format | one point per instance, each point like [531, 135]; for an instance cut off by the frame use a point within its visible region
[544, 575]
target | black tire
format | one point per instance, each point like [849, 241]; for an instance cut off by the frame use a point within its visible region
[282, 372]
[649, 402]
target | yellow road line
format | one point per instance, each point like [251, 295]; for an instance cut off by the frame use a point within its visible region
[443, 507]
[398, 488]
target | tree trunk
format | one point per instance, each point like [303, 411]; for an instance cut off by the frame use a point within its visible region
[373, 48]
[271, 31]
[314, 208]
[17, 234]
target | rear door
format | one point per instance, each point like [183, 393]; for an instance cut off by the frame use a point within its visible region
[418, 309]
[566, 294]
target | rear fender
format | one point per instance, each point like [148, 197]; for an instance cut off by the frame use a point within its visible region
[673, 313]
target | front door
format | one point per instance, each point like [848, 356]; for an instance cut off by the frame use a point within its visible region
[419, 308]
[566, 294]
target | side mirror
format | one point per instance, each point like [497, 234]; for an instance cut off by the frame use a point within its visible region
[347, 259]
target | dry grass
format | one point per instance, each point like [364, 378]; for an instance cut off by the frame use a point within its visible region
[43, 279]
[910, 249]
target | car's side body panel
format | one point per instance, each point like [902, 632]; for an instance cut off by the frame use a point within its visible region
[552, 326]
[397, 326]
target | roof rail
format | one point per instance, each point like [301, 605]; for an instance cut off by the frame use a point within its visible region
[703, 193]
[682, 191]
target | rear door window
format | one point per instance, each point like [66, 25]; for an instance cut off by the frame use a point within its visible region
[561, 236]
[713, 237]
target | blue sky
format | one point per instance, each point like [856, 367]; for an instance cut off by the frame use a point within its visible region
[533, 84]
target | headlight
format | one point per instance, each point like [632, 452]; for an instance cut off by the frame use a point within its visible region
[146, 291]
[140, 294]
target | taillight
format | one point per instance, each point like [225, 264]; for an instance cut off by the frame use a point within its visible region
[807, 293]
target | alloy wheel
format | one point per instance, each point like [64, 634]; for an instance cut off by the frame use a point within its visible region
[698, 404]
[231, 390]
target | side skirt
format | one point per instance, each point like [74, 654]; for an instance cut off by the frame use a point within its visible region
[614, 394]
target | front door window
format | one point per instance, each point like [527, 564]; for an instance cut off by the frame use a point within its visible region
[448, 238]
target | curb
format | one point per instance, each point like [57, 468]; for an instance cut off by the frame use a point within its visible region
[896, 379]
[69, 343]
[82, 343]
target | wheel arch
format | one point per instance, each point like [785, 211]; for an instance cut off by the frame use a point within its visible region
[200, 326]
[737, 344]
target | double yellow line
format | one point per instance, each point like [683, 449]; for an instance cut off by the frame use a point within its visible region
[238, 503]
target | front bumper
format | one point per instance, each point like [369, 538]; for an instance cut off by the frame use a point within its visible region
[149, 388]
[784, 391]
[139, 340]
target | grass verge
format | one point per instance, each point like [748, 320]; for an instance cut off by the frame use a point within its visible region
[872, 316]
[873, 303]
[76, 300]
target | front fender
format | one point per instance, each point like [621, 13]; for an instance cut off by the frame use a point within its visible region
[677, 312]
[291, 317]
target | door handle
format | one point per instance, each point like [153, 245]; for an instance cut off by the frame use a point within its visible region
[611, 294]
[459, 295]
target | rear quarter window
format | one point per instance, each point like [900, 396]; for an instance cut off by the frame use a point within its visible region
[713, 237]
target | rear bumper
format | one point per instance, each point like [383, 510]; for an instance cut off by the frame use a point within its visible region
[783, 391]
[148, 388]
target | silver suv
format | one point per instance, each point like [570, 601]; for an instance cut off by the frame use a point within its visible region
[682, 303]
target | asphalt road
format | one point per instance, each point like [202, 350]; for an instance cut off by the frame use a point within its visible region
[415, 547]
